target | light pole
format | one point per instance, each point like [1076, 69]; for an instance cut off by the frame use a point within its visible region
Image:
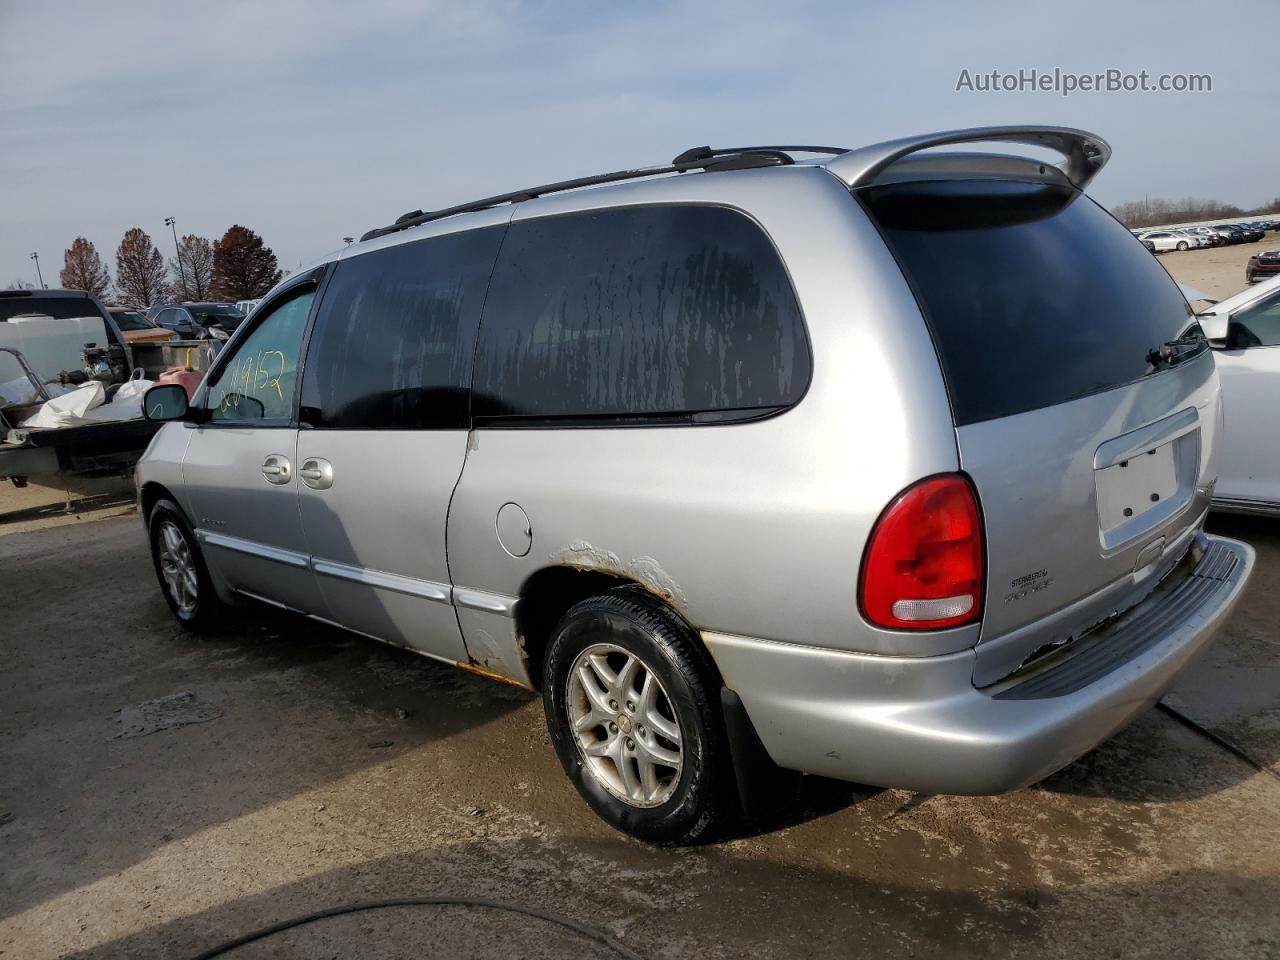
[36, 258]
[177, 251]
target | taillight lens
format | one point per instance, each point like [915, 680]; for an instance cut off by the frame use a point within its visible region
[924, 567]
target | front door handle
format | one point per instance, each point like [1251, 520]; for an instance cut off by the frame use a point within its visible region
[316, 473]
[277, 469]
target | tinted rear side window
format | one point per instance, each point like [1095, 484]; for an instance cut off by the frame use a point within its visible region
[641, 312]
[1034, 294]
[395, 336]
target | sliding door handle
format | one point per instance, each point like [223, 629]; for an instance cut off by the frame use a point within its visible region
[316, 473]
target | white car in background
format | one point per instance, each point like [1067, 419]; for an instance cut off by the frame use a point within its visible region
[1167, 240]
[1244, 331]
[1197, 240]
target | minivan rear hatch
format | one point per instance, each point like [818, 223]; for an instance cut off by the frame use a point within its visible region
[1082, 390]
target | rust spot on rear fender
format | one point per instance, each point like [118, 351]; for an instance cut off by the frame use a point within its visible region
[645, 571]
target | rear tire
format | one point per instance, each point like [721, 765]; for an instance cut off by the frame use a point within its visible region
[181, 570]
[633, 707]
[1182, 244]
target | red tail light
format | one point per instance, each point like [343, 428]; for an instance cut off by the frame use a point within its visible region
[924, 567]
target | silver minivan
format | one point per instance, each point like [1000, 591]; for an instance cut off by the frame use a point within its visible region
[887, 464]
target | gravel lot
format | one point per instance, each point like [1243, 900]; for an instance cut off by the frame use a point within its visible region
[336, 769]
[1216, 270]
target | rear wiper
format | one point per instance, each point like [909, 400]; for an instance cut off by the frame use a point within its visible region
[1172, 352]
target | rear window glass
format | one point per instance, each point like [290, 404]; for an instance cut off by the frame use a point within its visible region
[60, 308]
[1033, 293]
[129, 320]
[222, 315]
[639, 313]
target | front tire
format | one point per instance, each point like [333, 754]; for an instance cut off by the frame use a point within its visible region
[633, 708]
[1182, 245]
[180, 568]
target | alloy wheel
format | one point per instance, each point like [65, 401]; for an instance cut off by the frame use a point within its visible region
[624, 725]
[178, 567]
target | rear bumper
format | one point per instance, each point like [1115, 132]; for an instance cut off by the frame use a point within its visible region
[1258, 508]
[920, 724]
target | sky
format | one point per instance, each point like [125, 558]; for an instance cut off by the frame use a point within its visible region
[311, 121]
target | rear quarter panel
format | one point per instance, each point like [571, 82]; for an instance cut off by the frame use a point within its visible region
[754, 529]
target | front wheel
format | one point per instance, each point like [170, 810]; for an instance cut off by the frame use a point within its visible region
[180, 568]
[1182, 245]
[632, 704]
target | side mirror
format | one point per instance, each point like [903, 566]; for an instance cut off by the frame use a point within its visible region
[165, 401]
[1214, 326]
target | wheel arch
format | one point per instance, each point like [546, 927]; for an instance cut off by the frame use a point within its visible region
[153, 492]
[550, 591]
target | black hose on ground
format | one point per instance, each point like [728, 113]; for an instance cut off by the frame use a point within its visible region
[1223, 742]
[589, 933]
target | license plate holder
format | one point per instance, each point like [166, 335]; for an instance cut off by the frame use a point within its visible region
[1133, 487]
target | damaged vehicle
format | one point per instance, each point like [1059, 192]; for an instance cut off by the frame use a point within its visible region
[72, 374]
[766, 461]
[194, 321]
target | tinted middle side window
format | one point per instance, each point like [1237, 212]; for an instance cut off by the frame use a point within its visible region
[660, 311]
[395, 336]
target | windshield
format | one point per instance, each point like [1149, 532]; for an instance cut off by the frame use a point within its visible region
[60, 308]
[1034, 294]
[131, 320]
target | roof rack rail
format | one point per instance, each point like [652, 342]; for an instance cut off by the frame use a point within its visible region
[706, 153]
[701, 158]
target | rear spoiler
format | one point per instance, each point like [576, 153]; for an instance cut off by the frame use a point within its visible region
[1085, 153]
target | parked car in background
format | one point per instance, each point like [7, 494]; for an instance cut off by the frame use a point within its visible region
[196, 320]
[1164, 240]
[1245, 333]
[246, 306]
[1262, 265]
[710, 587]
[1151, 247]
[1197, 240]
[134, 326]
[1211, 237]
[1247, 232]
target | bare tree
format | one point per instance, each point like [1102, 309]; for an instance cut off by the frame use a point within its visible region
[83, 269]
[21, 284]
[140, 274]
[243, 266]
[1155, 211]
[191, 273]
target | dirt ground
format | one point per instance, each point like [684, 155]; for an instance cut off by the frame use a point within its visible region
[1216, 270]
[329, 769]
